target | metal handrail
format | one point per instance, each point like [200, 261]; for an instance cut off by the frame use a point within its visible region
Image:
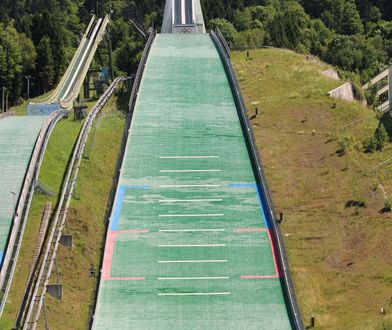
[23, 205]
[140, 70]
[34, 265]
[262, 183]
[223, 41]
[131, 107]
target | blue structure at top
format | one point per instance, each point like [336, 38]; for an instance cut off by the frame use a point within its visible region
[42, 109]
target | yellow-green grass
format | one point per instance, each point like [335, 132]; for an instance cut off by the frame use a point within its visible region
[85, 219]
[340, 257]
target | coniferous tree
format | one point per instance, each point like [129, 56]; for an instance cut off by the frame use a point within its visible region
[45, 64]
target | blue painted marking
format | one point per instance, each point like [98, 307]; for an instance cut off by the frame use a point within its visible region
[240, 185]
[118, 204]
[259, 198]
[135, 187]
[1, 258]
[261, 206]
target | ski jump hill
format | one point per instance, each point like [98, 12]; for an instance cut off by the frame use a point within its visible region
[192, 241]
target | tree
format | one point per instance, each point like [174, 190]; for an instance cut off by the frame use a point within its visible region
[287, 27]
[243, 19]
[249, 39]
[227, 29]
[320, 37]
[340, 52]
[45, 64]
[381, 137]
[127, 56]
[12, 67]
[351, 22]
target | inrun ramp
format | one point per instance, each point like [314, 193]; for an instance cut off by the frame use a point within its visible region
[188, 246]
[17, 141]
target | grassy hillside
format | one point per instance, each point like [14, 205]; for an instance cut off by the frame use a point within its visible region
[85, 220]
[340, 256]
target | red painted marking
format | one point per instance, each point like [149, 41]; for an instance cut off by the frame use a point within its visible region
[250, 230]
[258, 230]
[259, 276]
[107, 260]
[108, 257]
[273, 254]
[126, 279]
[142, 231]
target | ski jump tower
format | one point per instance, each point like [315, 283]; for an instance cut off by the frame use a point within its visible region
[183, 16]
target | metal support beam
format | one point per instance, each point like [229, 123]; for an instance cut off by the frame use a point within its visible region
[46, 318]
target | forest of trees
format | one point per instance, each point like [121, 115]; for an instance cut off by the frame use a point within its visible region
[39, 37]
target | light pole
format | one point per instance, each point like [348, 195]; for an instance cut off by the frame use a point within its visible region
[28, 87]
[3, 100]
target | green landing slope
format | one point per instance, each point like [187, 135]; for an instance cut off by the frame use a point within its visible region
[188, 245]
[17, 140]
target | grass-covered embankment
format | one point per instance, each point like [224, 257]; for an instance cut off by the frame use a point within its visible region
[340, 257]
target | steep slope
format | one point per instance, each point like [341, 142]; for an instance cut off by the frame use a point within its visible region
[340, 257]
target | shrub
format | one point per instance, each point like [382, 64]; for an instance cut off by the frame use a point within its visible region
[249, 39]
[377, 141]
[359, 93]
[381, 137]
[371, 97]
[388, 205]
[347, 143]
[370, 144]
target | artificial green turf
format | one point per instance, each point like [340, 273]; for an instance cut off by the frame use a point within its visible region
[17, 140]
[185, 109]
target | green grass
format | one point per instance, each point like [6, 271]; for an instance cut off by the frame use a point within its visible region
[85, 220]
[340, 258]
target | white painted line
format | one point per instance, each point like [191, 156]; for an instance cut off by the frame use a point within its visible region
[195, 294]
[190, 215]
[190, 200]
[189, 230]
[193, 278]
[190, 186]
[191, 245]
[189, 261]
[188, 157]
[187, 171]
